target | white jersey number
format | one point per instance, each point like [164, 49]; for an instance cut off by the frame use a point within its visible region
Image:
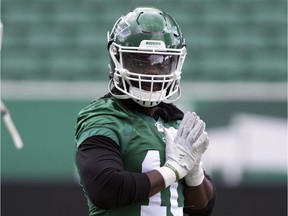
[154, 208]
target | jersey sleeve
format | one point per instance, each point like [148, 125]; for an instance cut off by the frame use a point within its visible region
[103, 118]
[106, 132]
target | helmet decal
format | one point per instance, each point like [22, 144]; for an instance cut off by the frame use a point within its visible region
[175, 31]
[123, 29]
[152, 44]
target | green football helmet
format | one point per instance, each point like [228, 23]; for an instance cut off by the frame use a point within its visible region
[147, 52]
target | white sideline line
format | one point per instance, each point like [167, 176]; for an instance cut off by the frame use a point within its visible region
[203, 91]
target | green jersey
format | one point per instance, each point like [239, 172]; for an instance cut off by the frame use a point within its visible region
[141, 141]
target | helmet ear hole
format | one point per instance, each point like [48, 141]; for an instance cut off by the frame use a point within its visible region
[114, 50]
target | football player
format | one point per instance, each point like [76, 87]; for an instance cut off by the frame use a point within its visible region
[137, 153]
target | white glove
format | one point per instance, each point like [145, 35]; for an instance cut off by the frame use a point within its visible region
[183, 151]
[196, 175]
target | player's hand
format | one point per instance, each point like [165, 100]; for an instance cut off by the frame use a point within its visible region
[196, 175]
[183, 152]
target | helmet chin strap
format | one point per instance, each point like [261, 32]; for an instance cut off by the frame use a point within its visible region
[143, 97]
[147, 98]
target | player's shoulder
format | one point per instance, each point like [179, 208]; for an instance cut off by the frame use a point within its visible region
[105, 114]
[107, 111]
[106, 106]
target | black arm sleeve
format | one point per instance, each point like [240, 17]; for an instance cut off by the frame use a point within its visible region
[107, 185]
[208, 209]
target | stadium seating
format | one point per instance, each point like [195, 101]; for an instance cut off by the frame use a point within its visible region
[66, 40]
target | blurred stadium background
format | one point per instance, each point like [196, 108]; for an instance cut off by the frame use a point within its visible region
[54, 62]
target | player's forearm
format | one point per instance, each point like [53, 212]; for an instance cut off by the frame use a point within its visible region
[106, 183]
[198, 197]
[200, 200]
[157, 183]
